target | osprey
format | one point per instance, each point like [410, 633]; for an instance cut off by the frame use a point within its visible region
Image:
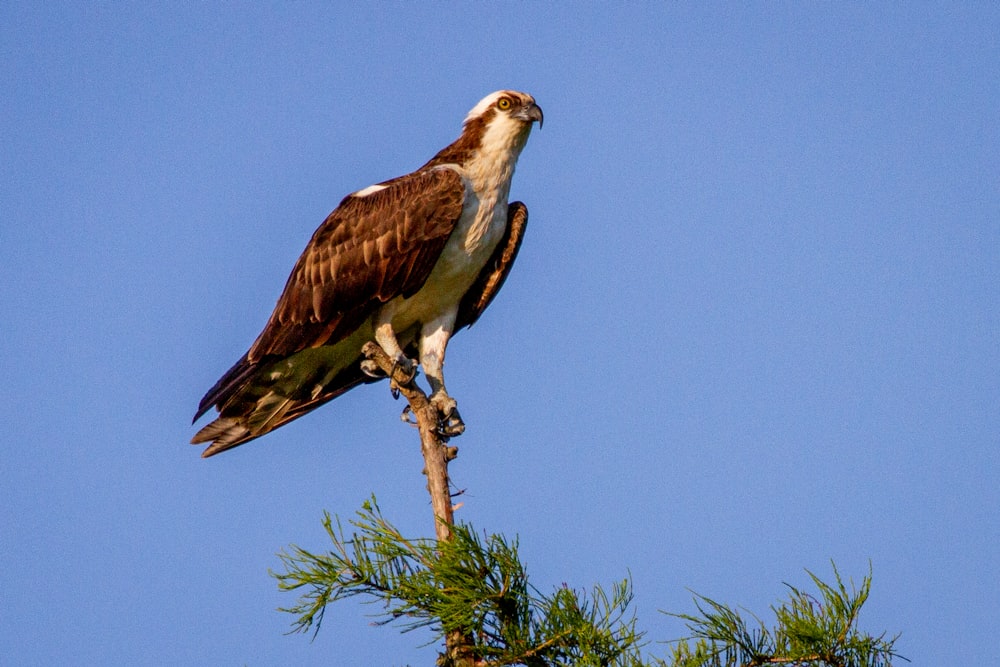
[406, 263]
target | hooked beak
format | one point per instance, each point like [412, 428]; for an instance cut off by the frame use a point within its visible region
[531, 113]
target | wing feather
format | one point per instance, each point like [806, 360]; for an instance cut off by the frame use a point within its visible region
[493, 275]
[368, 251]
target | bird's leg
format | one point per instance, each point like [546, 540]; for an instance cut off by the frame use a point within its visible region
[433, 341]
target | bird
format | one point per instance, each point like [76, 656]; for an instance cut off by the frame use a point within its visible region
[405, 263]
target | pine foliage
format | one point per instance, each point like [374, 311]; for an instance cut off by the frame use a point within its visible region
[471, 584]
[477, 586]
[810, 631]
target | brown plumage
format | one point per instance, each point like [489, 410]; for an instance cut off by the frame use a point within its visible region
[369, 250]
[388, 255]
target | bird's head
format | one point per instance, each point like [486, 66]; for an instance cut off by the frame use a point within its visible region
[494, 132]
[502, 121]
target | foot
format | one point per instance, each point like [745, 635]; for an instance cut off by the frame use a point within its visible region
[402, 363]
[450, 422]
[407, 366]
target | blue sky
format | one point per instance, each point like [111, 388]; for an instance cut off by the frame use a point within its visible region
[755, 325]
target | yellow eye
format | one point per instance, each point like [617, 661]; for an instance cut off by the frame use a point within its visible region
[503, 103]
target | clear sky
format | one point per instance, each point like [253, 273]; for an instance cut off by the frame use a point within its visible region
[755, 324]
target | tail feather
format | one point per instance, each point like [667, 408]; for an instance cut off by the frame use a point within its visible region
[255, 399]
[224, 433]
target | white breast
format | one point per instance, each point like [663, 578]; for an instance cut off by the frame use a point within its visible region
[475, 238]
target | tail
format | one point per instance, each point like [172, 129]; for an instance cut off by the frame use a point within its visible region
[253, 399]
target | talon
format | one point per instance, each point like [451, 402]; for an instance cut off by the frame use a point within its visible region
[407, 366]
[406, 415]
[371, 369]
[451, 425]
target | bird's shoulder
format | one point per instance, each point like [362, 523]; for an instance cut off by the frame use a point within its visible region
[420, 203]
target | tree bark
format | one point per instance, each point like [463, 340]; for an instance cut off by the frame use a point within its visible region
[458, 646]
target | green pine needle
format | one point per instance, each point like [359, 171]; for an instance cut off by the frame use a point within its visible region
[476, 585]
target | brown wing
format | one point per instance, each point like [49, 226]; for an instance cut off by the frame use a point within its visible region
[369, 250]
[491, 278]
